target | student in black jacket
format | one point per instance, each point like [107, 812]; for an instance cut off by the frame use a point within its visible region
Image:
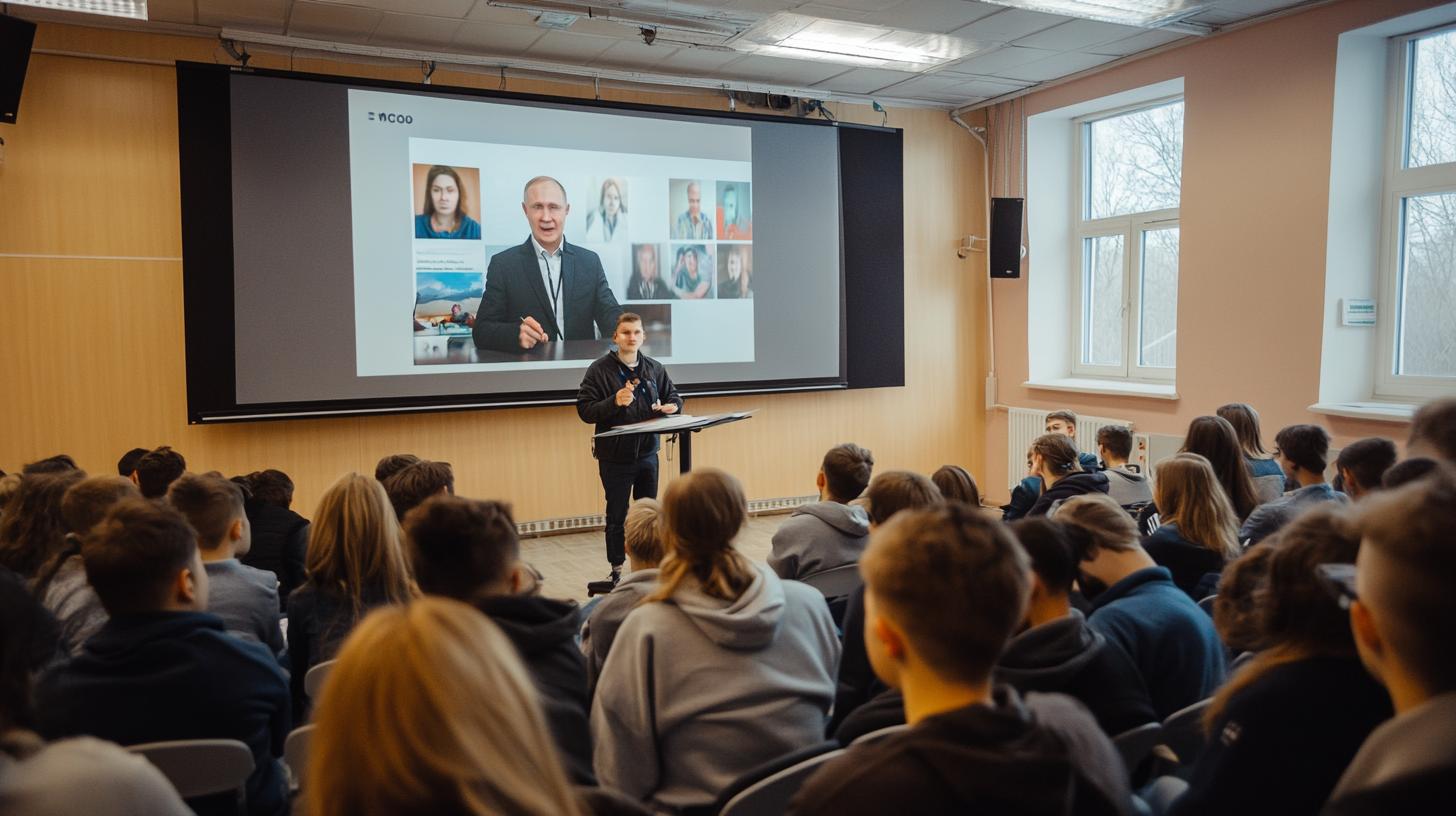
[468, 550]
[280, 536]
[620, 388]
[162, 668]
[1199, 531]
[1054, 457]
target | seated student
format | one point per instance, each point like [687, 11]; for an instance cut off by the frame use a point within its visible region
[60, 463]
[722, 669]
[1302, 453]
[158, 469]
[830, 532]
[32, 531]
[392, 464]
[1125, 485]
[1267, 475]
[1139, 608]
[955, 483]
[1404, 622]
[1054, 458]
[1214, 439]
[355, 563]
[454, 724]
[1433, 431]
[82, 775]
[61, 584]
[1362, 465]
[417, 482]
[245, 598]
[1237, 608]
[1284, 728]
[646, 544]
[1198, 533]
[126, 465]
[280, 536]
[946, 587]
[162, 668]
[1407, 471]
[468, 550]
[1024, 495]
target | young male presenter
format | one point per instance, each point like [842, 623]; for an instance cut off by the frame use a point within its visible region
[622, 387]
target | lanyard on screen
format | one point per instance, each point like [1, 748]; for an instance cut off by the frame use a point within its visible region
[555, 287]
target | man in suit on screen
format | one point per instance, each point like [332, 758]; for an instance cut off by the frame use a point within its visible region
[545, 289]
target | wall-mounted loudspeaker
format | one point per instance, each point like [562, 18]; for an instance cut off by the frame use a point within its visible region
[16, 38]
[1005, 251]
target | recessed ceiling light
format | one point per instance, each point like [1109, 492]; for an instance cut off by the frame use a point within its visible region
[1144, 13]
[135, 9]
[800, 37]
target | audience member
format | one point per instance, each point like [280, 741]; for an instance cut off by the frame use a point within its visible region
[1171, 640]
[453, 725]
[1125, 485]
[417, 482]
[280, 536]
[392, 464]
[1198, 533]
[1054, 458]
[1404, 620]
[61, 584]
[723, 668]
[60, 463]
[162, 668]
[1214, 439]
[355, 563]
[1362, 465]
[1236, 609]
[468, 550]
[1433, 430]
[32, 531]
[1276, 747]
[830, 532]
[245, 598]
[158, 469]
[127, 464]
[1407, 471]
[646, 544]
[1267, 475]
[1024, 495]
[946, 587]
[9, 486]
[83, 775]
[956, 483]
[1302, 452]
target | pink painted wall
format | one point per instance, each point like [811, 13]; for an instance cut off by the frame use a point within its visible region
[1256, 160]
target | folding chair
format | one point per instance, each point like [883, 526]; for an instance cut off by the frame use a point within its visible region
[295, 754]
[767, 789]
[1135, 744]
[876, 736]
[1183, 731]
[836, 581]
[200, 767]
[314, 680]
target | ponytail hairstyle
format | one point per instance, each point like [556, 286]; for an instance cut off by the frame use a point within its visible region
[1188, 493]
[1058, 452]
[704, 511]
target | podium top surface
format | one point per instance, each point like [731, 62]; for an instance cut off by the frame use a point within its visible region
[674, 424]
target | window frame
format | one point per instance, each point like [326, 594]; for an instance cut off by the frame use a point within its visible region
[1401, 183]
[1131, 227]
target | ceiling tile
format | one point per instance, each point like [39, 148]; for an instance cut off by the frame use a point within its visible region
[778, 71]
[938, 16]
[986, 88]
[634, 54]
[603, 28]
[1008, 25]
[255, 15]
[698, 61]
[1054, 67]
[415, 30]
[324, 21]
[994, 62]
[864, 80]
[561, 46]
[498, 40]
[1077, 35]
[493, 14]
[1137, 42]
[1253, 8]
[456, 9]
[172, 11]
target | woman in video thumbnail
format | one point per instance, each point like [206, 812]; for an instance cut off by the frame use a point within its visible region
[735, 271]
[687, 277]
[608, 220]
[444, 215]
[646, 283]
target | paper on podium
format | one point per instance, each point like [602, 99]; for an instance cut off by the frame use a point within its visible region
[673, 424]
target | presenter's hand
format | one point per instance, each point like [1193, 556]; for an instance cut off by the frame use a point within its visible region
[625, 394]
[531, 332]
[670, 408]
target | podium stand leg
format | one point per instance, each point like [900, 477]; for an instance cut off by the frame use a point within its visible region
[684, 452]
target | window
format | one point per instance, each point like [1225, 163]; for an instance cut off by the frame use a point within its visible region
[1418, 260]
[1130, 169]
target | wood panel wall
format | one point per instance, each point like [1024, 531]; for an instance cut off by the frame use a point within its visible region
[91, 361]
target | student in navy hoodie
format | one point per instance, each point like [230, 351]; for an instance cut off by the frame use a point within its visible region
[1054, 457]
[162, 668]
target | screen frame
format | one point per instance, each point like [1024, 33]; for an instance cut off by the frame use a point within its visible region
[205, 174]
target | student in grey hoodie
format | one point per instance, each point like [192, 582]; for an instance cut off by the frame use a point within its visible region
[724, 668]
[1125, 484]
[831, 532]
[646, 536]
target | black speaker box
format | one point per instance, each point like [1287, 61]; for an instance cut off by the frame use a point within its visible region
[1005, 251]
[16, 38]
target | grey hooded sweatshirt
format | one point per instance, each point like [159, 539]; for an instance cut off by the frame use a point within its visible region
[819, 536]
[698, 690]
[1126, 487]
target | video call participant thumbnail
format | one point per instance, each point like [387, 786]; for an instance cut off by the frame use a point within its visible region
[735, 220]
[735, 271]
[689, 277]
[545, 289]
[607, 222]
[693, 222]
[443, 213]
[646, 282]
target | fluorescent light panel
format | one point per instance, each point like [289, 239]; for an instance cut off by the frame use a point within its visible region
[1144, 13]
[797, 36]
[133, 9]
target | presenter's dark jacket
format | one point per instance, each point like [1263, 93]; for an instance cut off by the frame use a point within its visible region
[596, 402]
[514, 289]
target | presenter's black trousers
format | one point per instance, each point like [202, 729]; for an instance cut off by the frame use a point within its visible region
[623, 482]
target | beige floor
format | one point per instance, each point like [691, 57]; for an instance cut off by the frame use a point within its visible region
[569, 561]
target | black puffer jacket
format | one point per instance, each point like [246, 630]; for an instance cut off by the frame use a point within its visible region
[596, 402]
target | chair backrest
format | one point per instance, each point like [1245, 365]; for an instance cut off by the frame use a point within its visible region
[770, 795]
[295, 753]
[200, 767]
[876, 736]
[1183, 731]
[1135, 744]
[314, 680]
[1207, 604]
[836, 581]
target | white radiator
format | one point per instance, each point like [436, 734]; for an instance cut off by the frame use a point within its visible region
[1024, 425]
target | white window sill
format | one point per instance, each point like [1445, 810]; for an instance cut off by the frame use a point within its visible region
[1379, 411]
[1119, 388]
